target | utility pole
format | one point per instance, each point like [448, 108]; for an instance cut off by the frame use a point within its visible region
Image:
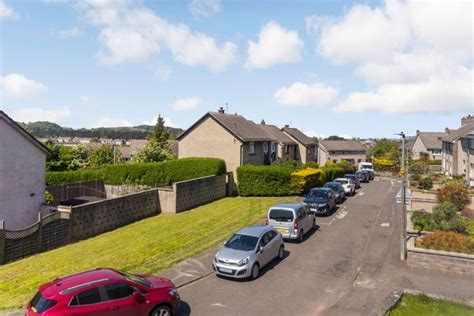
[403, 235]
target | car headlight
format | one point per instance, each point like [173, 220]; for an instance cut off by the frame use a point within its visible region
[216, 258]
[173, 292]
[243, 262]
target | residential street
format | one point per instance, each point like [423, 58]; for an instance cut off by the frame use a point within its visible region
[349, 266]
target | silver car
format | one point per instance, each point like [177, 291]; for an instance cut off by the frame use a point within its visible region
[292, 220]
[248, 251]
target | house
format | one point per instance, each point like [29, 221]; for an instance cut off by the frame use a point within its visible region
[230, 137]
[458, 151]
[306, 146]
[127, 152]
[282, 147]
[338, 150]
[22, 174]
[428, 142]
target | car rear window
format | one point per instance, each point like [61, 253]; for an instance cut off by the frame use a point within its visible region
[281, 215]
[91, 296]
[342, 181]
[41, 304]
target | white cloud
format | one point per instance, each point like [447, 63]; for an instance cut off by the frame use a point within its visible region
[204, 8]
[302, 95]
[6, 12]
[17, 86]
[59, 115]
[186, 104]
[415, 56]
[72, 32]
[133, 33]
[276, 45]
[112, 122]
[168, 121]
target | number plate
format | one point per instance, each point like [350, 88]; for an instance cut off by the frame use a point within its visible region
[282, 230]
[224, 270]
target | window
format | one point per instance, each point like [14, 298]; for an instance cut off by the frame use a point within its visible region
[287, 149]
[273, 147]
[265, 147]
[302, 213]
[252, 148]
[272, 234]
[118, 290]
[281, 215]
[91, 296]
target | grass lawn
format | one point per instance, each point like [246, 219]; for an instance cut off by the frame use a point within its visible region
[421, 305]
[147, 246]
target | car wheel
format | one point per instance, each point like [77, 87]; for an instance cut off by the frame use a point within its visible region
[301, 236]
[161, 310]
[255, 271]
[281, 252]
[314, 224]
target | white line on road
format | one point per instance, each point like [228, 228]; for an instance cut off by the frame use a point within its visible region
[341, 214]
[361, 193]
[385, 225]
[218, 305]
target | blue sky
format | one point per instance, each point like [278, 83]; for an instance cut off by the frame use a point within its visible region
[363, 69]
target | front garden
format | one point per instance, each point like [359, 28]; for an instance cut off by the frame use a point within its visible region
[422, 305]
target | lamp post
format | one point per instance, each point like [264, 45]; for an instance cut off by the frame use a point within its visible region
[403, 235]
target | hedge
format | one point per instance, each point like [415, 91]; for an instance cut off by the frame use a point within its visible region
[263, 180]
[333, 173]
[304, 180]
[152, 174]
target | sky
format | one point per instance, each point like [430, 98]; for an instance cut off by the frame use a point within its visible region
[354, 69]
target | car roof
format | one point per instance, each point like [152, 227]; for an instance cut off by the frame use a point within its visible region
[70, 283]
[320, 189]
[332, 183]
[341, 179]
[349, 175]
[254, 230]
[290, 205]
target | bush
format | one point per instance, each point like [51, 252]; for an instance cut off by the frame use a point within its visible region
[263, 180]
[311, 164]
[447, 241]
[304, 180]
[442, 214]
[468, 213]
[454, 191]
[425, 183]
[333, 173]
[434, 162]
[288, 163]
[417, 168]
[422, 221]
[152, 174]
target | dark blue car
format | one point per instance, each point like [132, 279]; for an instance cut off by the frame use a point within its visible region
[321, 201]
[339, 193]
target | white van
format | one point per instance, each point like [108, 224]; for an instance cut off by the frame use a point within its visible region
[367, 166]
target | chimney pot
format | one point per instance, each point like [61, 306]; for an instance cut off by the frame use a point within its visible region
[417, 132]
[262, 122]
[446, 130]
[221, 110]
[287, 126]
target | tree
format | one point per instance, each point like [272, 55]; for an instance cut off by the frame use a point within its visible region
[104, 155]
[153, 152]
[335, 137]
[382, 148]
[159, 133]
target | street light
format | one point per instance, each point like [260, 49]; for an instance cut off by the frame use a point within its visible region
[403, 235]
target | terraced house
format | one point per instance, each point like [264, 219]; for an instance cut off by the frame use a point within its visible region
[306, 146]
[338, 150]
[458, 151]
[282, 146]
[428, 142]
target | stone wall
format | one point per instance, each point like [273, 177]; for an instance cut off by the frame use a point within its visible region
[68, 191]
[114, 191]
[95, 218]
[439, 260]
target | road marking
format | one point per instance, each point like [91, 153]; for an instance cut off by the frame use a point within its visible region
[361, 193]
[385, 225]
[218, 305]
[342, 214]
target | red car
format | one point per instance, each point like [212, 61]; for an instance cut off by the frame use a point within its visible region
[106, 292]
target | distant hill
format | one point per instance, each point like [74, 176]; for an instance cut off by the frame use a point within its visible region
[48, 130]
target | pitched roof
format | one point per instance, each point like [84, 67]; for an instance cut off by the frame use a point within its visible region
[243, 129]
[344, 145]
[457, 133]
[299, 136]
[277, 134]
[23, 132]
[432, 140]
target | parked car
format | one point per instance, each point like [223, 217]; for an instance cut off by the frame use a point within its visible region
[354, 179]
[292, 220]
[105, 291]
[365, 175]
[339, 193]
[321, 201]
[347, 184]
[369, 167]
[248, 251]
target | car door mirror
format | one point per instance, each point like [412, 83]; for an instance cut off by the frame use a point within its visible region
[139, 298]
[260, 249]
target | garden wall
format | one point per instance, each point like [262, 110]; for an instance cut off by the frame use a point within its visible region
[68, 191]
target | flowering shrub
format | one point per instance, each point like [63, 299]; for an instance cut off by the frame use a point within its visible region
[454, 191]
[447, 241]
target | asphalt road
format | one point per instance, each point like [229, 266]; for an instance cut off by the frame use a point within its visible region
[336, 270]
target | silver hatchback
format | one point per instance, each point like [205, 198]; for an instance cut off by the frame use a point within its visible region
[248, 251]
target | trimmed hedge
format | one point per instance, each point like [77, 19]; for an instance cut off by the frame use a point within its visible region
[304, 180]
[333, 173]
[152, 174]
[263, 180]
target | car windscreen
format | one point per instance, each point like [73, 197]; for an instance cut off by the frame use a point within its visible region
[242, 242]
[317, 194]
[135, 278]
[342, 181]
[364, 166]
[40, 304]
[332, 186]
[281, 215]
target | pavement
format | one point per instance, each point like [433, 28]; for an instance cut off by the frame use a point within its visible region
[349, 266]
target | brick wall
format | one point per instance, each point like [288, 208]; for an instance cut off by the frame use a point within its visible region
[95, 218]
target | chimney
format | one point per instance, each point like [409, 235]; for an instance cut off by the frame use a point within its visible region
[221, 110]
[466, 120]
[287, 126]
[262, 122]
[417, 132]
[446, 130]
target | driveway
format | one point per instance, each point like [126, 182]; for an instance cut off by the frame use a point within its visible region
[349, 266]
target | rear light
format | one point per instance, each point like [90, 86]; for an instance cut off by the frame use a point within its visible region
[296, 224]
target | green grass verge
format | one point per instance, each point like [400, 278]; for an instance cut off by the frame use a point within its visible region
[147, 246]
[421, 305]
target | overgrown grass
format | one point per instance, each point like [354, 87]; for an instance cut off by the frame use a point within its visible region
[147, 246]
[421, 305]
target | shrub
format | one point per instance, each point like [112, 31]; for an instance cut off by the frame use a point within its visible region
[152, 174]
[425, 183]
[417, 168]
[288, 163]
[302, 181]
[447, 241]
[263, 180]
[459, 225]
[435, 162]
[48, 198]
[454, 191]
[422, 221]
[333, 173]
[311, 164]
[442, 214]
[468, 213]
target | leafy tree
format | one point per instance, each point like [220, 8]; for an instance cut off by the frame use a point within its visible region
[104, 155]
[383, 149]
[153, 152]
[335, 137]
[159, 133]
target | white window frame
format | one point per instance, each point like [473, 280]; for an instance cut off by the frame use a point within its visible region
[251, 148]
[265, 147]
[273, 147]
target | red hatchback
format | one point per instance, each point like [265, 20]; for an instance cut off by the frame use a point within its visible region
[106, 292]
